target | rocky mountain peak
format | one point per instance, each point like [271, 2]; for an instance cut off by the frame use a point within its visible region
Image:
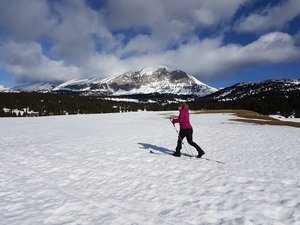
[149, 80]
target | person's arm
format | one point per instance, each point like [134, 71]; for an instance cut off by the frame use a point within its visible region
[176, 119]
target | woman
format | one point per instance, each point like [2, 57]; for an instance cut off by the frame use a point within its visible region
[186, 130]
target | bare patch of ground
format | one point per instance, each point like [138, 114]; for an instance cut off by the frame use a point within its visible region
[253, 117]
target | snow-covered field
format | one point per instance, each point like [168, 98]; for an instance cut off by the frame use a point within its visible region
[291, 119]
[97, 169]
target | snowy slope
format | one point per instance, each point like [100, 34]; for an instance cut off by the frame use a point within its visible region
[3, 88]
[261, 89]
[163, 80]
[96, 169]
[35, 87]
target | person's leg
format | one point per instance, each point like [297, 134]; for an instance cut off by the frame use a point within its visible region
[189, 138]
[179, 143]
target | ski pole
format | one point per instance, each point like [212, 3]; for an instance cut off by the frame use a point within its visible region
[191, 154]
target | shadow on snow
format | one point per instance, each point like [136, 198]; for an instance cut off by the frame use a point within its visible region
[161, 150]
[156, 148]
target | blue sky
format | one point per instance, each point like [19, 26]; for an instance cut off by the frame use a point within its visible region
[219, 42]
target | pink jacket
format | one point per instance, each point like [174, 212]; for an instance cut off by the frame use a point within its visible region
[183, 119]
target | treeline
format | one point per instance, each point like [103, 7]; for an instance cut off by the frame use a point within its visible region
[285, 105]
[46, 104]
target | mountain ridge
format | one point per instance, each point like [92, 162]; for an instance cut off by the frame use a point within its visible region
[149, 80]
[260, 89]
[161, 80]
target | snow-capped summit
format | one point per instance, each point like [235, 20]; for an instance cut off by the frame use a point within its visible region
[149, 80]
[151, 70]
[161, 80]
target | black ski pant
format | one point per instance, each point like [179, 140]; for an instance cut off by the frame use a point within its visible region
[188, 133]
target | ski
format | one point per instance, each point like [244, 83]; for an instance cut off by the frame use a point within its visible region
[171, 154]
[187, 155]
[217, 161]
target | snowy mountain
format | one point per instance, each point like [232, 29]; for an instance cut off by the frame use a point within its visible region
[3, 88]
[261, 89]
[35, 87]
[161, 80]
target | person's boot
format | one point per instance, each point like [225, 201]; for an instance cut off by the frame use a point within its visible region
[200, 153]
[177, 154]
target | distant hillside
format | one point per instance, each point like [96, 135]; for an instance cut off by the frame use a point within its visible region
[267, 97]
[258, 90]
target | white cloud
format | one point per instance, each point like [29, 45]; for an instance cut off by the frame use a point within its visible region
[26, 62]
[141, 44]
[25, 19]
[84, 42]
[80, 30]
[170, 19]
[270, 48]
[269, 19]
[203, 58]
[208, 58]
[103, 65]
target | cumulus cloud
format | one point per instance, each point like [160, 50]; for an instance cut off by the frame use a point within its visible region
[79, 31]
[169, 19]
[211, 57]
[270, 18]
[62, 40]
[26, 62]
[25, 19]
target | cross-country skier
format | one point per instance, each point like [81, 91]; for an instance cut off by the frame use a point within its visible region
[186, 130]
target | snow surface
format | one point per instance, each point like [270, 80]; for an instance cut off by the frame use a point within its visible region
[71, 82]
[41, 86]
[97, 169]
[291, 118]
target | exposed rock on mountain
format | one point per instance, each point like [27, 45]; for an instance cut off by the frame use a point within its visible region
[161, 80]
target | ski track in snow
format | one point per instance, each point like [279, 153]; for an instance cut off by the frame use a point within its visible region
[96, 169]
